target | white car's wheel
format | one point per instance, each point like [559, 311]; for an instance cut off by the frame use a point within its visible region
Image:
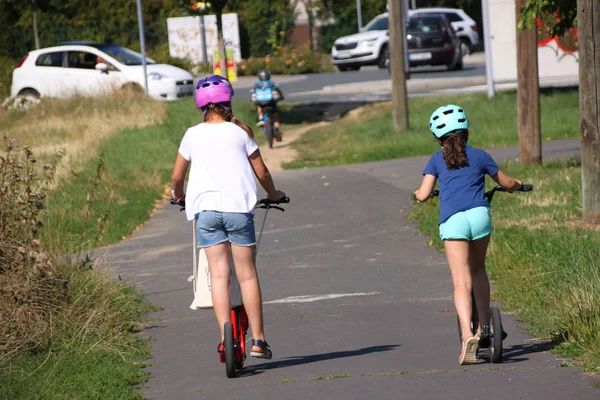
[26, 99]
[384, 57]
[465, 48]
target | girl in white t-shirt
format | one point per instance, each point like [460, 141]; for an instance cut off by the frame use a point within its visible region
[221, 194]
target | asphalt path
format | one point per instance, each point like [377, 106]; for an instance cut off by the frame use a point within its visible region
[357, 305]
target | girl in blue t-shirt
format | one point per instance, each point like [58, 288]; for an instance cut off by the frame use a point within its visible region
[464, 224]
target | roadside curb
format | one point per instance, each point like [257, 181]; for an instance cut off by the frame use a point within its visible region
[411, 85]
[246, 82]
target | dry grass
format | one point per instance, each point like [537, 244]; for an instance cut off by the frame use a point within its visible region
[70, 132]
[46, 305]
[555, 219]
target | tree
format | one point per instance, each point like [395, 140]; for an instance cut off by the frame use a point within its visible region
[310, 6]
[399, 99]
[588, 27]
[218, 6]
[528, 94]
[268, 26]
[559, 16]
[343, 12]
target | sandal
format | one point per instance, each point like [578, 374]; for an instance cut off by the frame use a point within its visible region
[221, 351]
[469, 351]
[266, 352]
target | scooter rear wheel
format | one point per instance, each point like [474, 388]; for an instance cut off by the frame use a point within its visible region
[495, 336]
[229, 342]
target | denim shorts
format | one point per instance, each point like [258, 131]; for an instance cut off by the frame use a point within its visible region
[472, 224]
[214, 227]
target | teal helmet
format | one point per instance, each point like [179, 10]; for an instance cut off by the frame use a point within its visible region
[448, 120]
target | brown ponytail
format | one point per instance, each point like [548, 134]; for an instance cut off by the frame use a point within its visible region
[455, 152]
[215, 112]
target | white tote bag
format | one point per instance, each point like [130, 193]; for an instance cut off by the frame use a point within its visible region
[201, 280]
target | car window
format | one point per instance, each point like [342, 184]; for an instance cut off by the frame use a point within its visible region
[125, 56]
[453, 17]
[424, 25]
[377, 24]
[54, 59]
[81, 60]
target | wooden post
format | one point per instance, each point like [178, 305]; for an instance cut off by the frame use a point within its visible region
[221, 44]
[528, 94]
[396, 48]
[588, 27]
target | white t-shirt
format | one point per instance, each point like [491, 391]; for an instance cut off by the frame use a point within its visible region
[221, 177]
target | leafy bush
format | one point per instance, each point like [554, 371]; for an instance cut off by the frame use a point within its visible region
[287, 61]
[161, 55]
[7, 65]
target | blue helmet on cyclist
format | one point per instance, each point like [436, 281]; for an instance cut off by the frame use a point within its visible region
[448, 120]
[264, 74]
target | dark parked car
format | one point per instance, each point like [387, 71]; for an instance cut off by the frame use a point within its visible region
[431, 40]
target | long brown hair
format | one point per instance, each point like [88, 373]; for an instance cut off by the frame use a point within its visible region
[455, 151]
[217, 112]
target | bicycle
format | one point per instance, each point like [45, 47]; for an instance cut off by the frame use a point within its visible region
[269, 126]
[497, 335]
[236, 329]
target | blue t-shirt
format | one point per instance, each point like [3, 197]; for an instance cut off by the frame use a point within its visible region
[268, 83]
[463, 188]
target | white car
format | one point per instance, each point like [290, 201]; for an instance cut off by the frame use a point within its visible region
[91, 69]
[370, 45]
[464, 26]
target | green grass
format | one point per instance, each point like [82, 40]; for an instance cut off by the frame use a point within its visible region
[135, 167]
[93, 350]
[545, 264]
[370, 136]
[99, 375]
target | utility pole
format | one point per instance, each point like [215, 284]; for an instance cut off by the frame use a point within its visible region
[142, 43]
[588, 21]
[397, 65]
[201, 8]
[487, 44]
[528, 93]
[35, 25]
[359, 15]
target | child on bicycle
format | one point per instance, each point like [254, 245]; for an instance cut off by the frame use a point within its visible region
[267, 93]
[464, 222]
[221, 195]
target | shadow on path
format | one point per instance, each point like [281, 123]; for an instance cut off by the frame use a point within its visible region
[518, 353]
[300, 360]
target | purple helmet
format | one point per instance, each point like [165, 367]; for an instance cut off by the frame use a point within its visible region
[214, 89]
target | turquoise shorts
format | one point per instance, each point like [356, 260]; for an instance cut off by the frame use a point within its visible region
[472, 224]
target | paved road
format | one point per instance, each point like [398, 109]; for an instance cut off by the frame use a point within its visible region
[378, 329]
[375, 83]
